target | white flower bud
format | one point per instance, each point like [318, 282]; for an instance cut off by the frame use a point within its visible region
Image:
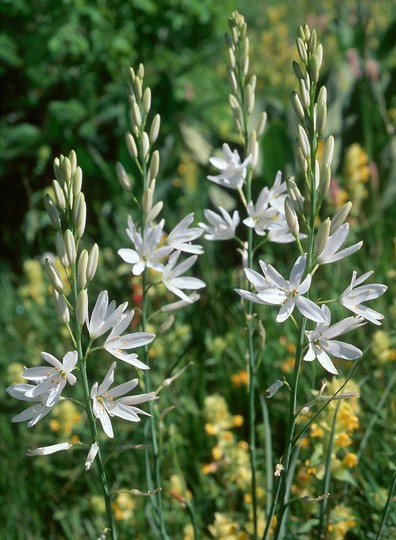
[131, 145]
[80, 214]
[295, 195]
[154, 164]
[140, 71]
[291, 217]
[261, 124]
[52, 211]
[302, 51]
[304, 93]
[70, 246]
[155, 210]
[231, 58]
[82, 307]
[59, 195]
[145, 146]
[319, 54]
[53, 276]
[73, 162]
[298, 72]
[66, 169]
[328, 151]
[340, 216]
[313, 40]
[154, 129]
[147, 200]
[93, 258]
[147, 100]
[324, 183]
[137, 88]
[302, 161]
[61, 250]
[297, 106]
[82, 266]
[123, 177]
[314, 68]
[77, 181]
[61, 307]
[136, 116]
[232, 80]
[322, 236]
[303, 142]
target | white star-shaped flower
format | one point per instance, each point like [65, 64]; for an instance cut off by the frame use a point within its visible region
[51, 381]
[117, 344]
[232, 171]
[104, 315]
[181, 236]
[322, 345]
[354, 296]
[34, 413]
[147, 251]
[288, 294]
[106, 404]
[220, 228]
[173, 279]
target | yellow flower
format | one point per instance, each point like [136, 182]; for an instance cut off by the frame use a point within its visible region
[316, 430]
[342, 440]
[240, 379]
[350, 460]
[237, 420]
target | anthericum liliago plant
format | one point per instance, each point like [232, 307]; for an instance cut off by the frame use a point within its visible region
[288, 213]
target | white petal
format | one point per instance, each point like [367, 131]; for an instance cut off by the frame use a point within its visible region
[285, 311]
[70, 361]
[309, 309]
[325, 361]
[297, 271]
[46, 450]
[122, 389]
[128, 255]
[343, 350]
[91, 455]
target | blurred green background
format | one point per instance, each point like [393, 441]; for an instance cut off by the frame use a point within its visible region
[64, 67]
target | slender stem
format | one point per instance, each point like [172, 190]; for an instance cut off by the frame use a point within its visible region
[387, 507]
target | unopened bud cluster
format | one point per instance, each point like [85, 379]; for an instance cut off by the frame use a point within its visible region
[67, 211]
[243, 85]
[144, 133]
[310, 106]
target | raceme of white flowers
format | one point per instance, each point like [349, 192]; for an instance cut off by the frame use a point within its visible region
[268, 216]
[46, 384]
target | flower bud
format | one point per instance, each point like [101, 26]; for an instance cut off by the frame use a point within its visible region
[147, 201]
[232, 80]
[155, 210]
[313, 40]
[297, 70]
[302, 52]
[123, 177]
[82, 266]
[137, 88]
[321, 117]
[136, 116]
[324, 183]
[304, 93]
[154, 129]
[80, 215]
[322, 236]
[140, 71]
[261, 124]
[61, 250]
[303, 142]
[73, 162]
[319, 54]
[52, 211]
[231, 58]
[145, 146]
[147, 100]
[53, 276]
[82, 307]
[70, 246]
[131, 145]
[93, 258]
[295, 195]
[297, 106]
[302, 161]
[77, 181]
[291, 218]
[340, 216]
[328, 151]
[66, 169]
[154, 164]
[61, 307]
[59, 195]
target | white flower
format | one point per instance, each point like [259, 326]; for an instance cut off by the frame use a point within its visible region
[105, 404]
[51, 381]
[33, 414]
[146, 252]
[220, 228]
[353, 297]
[91, 455]
[322, 344]
[330, 251]
[279, 232]
[116, 344]
[261, 215]
[232, 171]
[288, 294]
[260, 283]
[277, 193]
[104, 315]
[46, 450]
[174, 281]
[181, 236]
